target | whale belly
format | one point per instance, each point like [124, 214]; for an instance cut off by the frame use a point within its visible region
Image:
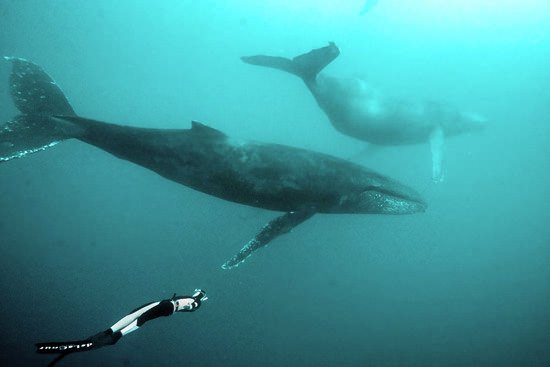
[358, 110]
[382, 122]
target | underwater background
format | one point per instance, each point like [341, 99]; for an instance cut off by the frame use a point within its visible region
[86, 237]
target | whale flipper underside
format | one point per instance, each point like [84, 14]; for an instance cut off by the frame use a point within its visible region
[37, 97]
[278, 226]
[306, 66]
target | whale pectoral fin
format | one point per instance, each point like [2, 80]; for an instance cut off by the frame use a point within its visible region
[437, 144]
[278, 226]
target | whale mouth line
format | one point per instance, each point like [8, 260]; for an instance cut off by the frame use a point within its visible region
[398, 196]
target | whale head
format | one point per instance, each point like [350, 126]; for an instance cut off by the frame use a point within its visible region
[381, 195]
[394, 199]
[473, 121]
[466, 122]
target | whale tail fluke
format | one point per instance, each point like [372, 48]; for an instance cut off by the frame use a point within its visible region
[306, 66]
[38, 98]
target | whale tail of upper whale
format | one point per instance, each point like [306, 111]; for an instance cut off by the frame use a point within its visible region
[38, 98]
[306, 66]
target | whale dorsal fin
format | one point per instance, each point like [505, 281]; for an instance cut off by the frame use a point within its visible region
[200, 128]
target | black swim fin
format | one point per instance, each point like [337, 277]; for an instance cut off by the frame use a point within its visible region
[63, 349]
[99, 340]
[37, 97]
[306, 66]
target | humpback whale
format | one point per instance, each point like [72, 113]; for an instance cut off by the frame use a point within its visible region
[297, 182]
[358, 110]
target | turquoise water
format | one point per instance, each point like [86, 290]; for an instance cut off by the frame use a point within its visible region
[86, 237]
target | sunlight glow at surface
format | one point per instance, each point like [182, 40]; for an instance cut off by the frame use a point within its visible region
[454, 10]
[505, 20]
[513, 11]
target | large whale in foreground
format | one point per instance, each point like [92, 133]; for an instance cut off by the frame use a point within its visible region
[358, 110]
[295, 181]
